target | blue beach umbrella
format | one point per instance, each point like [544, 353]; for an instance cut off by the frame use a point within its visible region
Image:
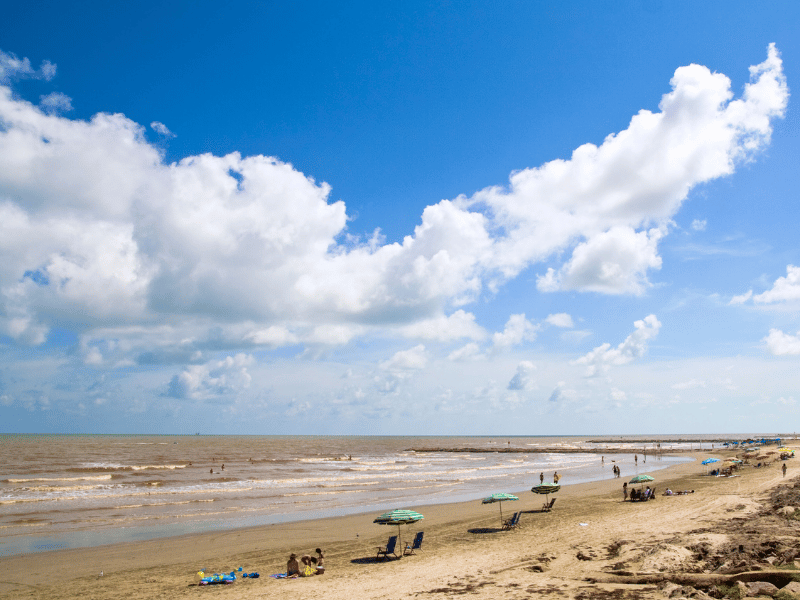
[499, 498]
[708, 461]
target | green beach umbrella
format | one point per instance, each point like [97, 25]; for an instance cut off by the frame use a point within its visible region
[398, 517]
[642, 479]
[546, 489]
[499, 498]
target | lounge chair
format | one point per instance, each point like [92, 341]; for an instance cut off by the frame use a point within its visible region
[415, 545]
[389, 549]
[547, 506]
[513, 522]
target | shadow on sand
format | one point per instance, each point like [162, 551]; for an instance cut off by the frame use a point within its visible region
[371, 560]
[485, 530]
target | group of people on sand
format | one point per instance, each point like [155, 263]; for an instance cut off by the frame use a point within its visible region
[312, 565]
[642, 495]
[637, 495]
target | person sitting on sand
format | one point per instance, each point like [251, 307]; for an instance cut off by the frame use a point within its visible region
[308, 570]
[320, 562]
[668, 492]
[292, 568]
[647, 493]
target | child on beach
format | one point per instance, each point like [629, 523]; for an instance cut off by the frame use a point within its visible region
[320, 562]
[308, 570]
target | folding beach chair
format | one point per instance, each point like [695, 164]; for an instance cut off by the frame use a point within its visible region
[513, 522]
[415, 545]
[548, 505]
[390, 545]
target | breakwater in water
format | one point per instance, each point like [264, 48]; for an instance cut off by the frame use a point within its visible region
[545, 450]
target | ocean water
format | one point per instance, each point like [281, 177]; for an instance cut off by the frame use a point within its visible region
[63, 491]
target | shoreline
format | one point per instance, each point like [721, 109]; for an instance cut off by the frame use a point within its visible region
[102, 538]
[461, 537]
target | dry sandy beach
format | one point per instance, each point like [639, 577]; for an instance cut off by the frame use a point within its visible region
[592, 545]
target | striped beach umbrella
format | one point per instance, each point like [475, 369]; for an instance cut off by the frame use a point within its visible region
[546, 489]
[398, 517]
[499, 498]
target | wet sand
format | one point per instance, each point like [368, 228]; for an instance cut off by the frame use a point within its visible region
[464, 550]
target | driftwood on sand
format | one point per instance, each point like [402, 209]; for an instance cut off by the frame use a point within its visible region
[775, 577]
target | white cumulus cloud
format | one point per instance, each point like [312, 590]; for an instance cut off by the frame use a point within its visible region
[699, 224]
[412, 359]
[785, 289]
[612, 262]
[562, 320]
[213, 379]
[12, 67]
[458, 325]
[56, 102]
[161, 129]
[517, 330]
[523, 378]
[605, 196]
[602, 358]
[780, 343]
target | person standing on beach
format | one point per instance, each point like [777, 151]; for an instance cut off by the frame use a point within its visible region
[624, 491]
[541, 477]
[636, 459]
[556, 477]
[783, 468]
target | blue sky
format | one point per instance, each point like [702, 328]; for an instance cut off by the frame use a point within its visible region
[427, 218]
